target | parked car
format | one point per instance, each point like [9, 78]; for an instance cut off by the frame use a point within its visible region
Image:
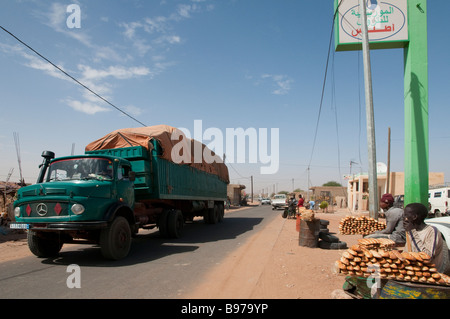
[443, 225]
[439, 200]
[398, 201]
[279, 201]
[265, 201]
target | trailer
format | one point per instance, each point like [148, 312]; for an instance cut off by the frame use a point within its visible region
[126, 181]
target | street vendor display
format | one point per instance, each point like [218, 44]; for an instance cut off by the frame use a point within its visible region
[377, 257]
[362, 225]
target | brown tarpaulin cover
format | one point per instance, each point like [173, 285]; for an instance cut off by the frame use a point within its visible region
[183, 148]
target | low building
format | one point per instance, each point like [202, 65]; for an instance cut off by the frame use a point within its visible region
[358, 187]
[334, 195]
[234, 193]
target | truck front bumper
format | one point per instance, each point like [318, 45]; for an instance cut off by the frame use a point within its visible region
[63, 226]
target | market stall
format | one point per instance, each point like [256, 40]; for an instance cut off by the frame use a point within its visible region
[375, 268]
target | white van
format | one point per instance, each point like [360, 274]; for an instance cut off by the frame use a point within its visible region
[279, 201]
[439, 199]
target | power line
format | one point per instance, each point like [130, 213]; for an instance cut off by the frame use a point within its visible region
[70, 76]
[324, 82]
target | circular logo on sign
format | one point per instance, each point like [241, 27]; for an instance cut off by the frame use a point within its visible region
[41, 209]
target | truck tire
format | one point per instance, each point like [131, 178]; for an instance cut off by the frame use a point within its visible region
[328, 237]
[211, 215]
[44, 246]
[175, 223]
[221, 212]
[327, 245]
[162, 223]
[115, 240]
[216, 213]
[324, 223]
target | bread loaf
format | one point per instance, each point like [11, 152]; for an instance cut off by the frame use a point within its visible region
[351, 225]
[368, 258]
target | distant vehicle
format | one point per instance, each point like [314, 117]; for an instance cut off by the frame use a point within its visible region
[439, 200]
[265, 201]
[398, 201]
[279, 201]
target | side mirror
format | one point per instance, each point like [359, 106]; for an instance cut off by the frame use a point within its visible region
[132, 176]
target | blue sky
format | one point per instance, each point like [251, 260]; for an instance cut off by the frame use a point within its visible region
[229, 63]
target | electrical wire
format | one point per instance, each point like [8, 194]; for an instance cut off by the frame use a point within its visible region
[324, 83]
[70, 76]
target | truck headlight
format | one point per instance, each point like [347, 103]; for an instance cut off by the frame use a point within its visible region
[17, 211]
[77, 209]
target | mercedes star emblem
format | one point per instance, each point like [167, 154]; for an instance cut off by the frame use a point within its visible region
[41, 209]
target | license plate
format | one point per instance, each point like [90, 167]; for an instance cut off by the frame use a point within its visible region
[19, 226]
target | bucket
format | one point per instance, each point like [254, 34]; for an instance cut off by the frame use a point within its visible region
[309, 233]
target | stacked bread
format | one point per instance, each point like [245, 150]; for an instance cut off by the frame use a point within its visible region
[378, 258]
[351, 225]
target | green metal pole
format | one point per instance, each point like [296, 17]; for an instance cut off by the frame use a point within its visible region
[416, 105]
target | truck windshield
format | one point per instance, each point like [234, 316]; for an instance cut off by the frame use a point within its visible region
[80, 169]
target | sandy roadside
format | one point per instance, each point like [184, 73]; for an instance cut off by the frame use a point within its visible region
[272, 265]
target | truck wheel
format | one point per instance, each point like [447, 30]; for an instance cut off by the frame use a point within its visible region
[175, 223]
[44, 246]
[213, 215]
[221, 212]
[162, 224]
[115, 240]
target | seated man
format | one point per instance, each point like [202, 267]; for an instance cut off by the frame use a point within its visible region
[394, 222]
[423, 237]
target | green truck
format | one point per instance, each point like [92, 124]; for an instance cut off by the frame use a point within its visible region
[106, 195]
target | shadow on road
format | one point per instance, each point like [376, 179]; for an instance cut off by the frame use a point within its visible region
[149, 246]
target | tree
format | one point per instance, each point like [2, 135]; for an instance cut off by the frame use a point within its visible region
[332, 183]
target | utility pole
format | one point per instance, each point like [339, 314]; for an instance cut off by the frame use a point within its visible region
[416, 105]
[373, 188]
[307, 183]
[388, 173]
[252, 188]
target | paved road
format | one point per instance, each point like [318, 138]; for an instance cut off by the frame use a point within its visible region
[155, 268]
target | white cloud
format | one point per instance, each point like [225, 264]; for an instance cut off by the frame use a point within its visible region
[86, 107]
[184, 10]
[96, 76]
[118, 72]
[281, 82]
[56, 19]
[161, 27]
[34, 61]
[133, 110]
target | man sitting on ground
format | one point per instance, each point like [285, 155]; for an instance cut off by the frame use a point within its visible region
[425, 238]
[394, 222]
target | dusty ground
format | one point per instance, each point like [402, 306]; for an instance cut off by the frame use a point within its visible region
[270, 265]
